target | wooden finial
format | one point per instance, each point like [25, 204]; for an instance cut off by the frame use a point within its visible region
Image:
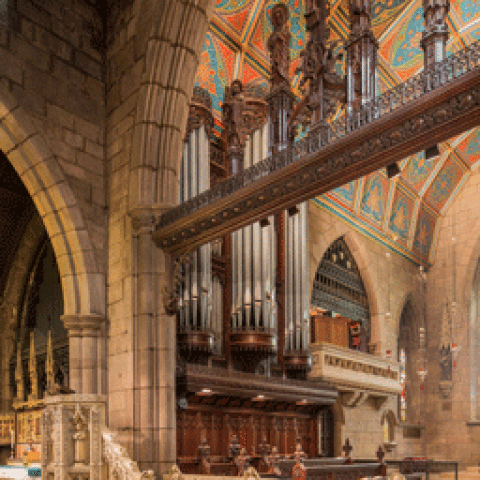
[32, 368]
[347, 448]
[49, 364]
[19, 375]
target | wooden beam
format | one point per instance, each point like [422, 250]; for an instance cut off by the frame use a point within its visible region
[432, 118]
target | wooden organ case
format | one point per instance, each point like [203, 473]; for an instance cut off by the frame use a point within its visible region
[243, 305]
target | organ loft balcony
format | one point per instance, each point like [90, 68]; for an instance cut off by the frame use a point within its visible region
[357, 375]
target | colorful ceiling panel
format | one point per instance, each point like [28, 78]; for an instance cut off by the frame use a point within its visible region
[469, 148]
[444, 183]
[401, 216]
[417, 170]
[345, 194]
[374, 198]
[401, 212]
[424, 232]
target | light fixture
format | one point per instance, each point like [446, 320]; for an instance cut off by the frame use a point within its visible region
[205, 391]
[432, 152]
[393, 170]
[258, 398]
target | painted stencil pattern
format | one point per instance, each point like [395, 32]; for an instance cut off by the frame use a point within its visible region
[424, 233]
[401, 215]
[374, 198]
[444, 183]
[345, 193]
[418, 170]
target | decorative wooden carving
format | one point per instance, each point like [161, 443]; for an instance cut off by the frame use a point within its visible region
[435, 36]
[200, 111]
[279, 47]
[428, 108]
[361, 48]
[325, 87]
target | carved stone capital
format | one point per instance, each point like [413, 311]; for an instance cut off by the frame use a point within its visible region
[83, 325]
[145, 218]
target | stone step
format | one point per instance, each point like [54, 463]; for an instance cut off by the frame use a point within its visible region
[462, 475]
[474, 468]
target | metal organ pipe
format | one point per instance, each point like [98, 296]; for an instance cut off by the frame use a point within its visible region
[195, 300]
[253, 268]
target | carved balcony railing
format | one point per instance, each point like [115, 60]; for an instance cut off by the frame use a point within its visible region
[356, 374]
[441, 79]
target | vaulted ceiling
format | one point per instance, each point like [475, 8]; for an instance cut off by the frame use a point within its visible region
[403, 212]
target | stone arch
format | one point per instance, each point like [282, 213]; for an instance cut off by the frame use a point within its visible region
[11, 299]
[43, 178]
[176, 32]
[359, 252]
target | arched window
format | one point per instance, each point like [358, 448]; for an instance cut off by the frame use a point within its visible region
[388, 423]
[408, 356]
[338, 288]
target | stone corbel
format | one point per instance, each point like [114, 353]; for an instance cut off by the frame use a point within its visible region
[446, 388]
[379, 402]
[354, 399]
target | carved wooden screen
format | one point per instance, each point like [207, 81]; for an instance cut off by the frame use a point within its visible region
[218, 427]
[338, 286]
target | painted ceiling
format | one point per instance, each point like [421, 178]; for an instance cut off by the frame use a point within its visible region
[402, 213]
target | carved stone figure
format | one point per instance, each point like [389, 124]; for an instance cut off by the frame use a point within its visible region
[279, 46]
[445, 361]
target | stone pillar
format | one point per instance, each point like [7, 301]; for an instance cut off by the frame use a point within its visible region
[154, 341]
[85, 333]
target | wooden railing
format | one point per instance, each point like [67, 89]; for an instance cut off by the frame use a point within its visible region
[431, 107]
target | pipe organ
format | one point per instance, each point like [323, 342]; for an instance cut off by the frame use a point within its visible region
[254, 301]
[243, 301]
[196, 327]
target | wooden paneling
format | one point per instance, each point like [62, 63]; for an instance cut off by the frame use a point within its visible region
[281, 430]
[331, 330]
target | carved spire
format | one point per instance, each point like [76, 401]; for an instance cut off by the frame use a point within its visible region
[49, 363]
[232, 116]
[32, 367]
[325, 87]
[280, 99]
[19, 375]
[361, 48]
[279, 47]
[435, 36]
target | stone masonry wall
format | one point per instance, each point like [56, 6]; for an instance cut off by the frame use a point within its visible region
[51, 63]
[453, 431]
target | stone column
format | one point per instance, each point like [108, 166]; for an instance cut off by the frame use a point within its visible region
[154, 421]
[85, 332]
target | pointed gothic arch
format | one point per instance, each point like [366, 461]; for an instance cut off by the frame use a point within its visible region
[40, 172]
[338, 287]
